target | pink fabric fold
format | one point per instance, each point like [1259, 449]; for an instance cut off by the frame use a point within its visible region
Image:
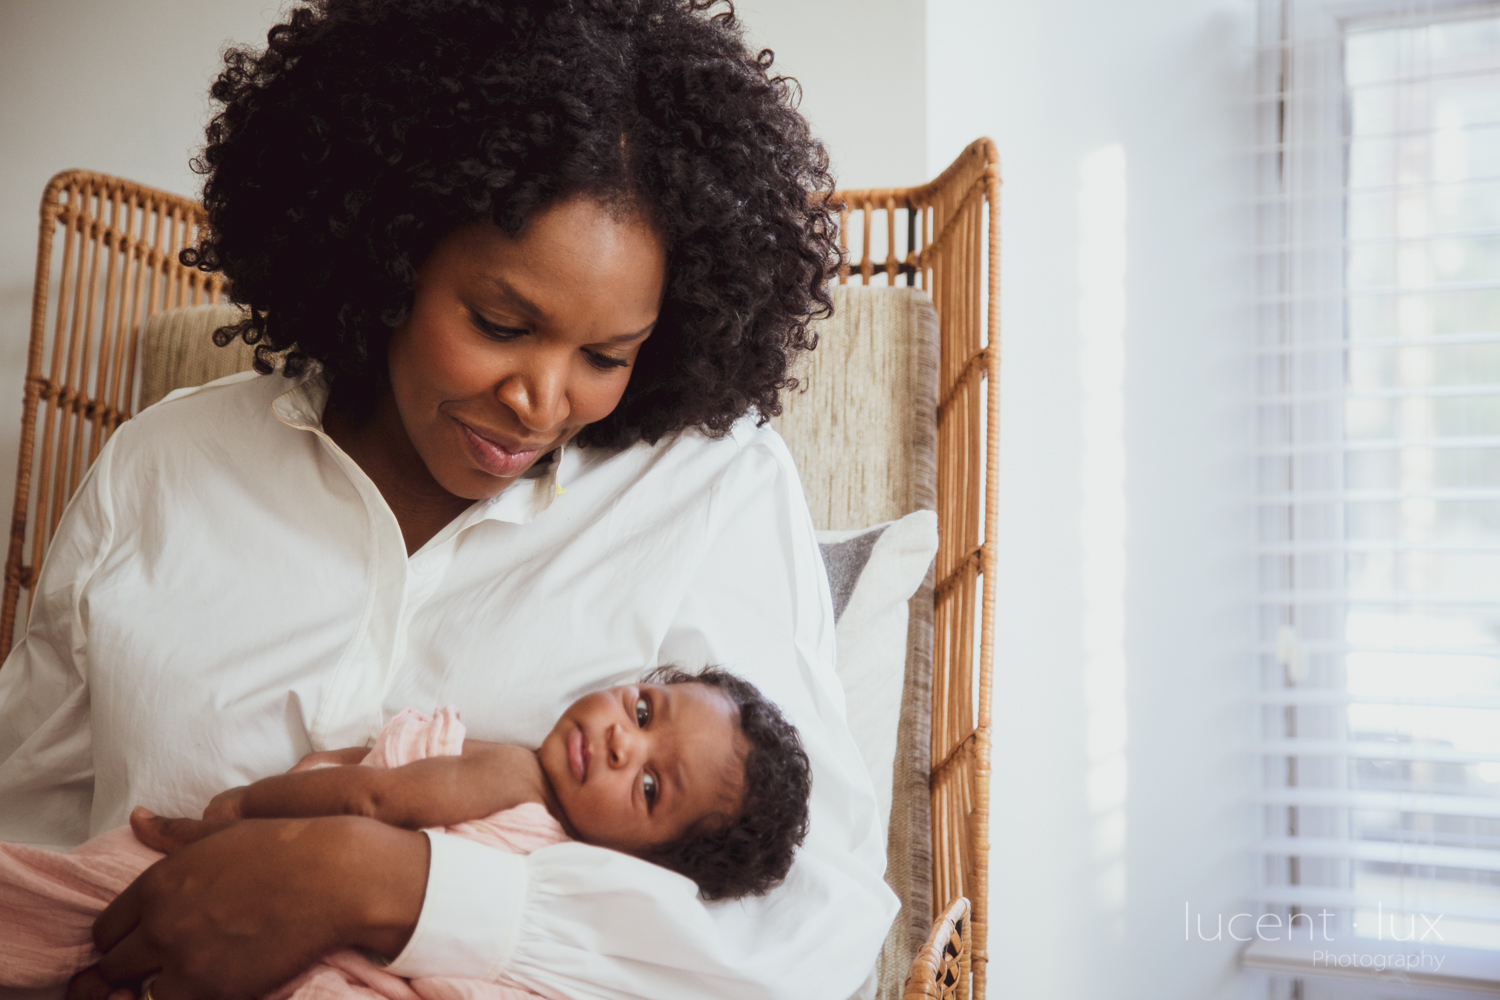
[48, 900]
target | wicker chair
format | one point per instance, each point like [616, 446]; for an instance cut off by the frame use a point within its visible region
[105, 341]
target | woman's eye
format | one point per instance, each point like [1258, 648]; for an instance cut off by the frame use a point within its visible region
[604, 362]
[642, 711]
[648, 787]
[496, 331]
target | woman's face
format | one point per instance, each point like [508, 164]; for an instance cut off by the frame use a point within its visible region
[514, 344]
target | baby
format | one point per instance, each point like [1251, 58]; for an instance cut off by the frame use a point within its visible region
[698, 773]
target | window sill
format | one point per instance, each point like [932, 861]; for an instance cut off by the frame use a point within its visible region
[1387, 962]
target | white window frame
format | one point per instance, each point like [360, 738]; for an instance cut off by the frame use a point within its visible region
[1301, 301]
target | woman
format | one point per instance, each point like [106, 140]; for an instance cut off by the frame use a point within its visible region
[538, 270]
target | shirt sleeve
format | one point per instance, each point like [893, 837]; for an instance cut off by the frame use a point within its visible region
[588, 922]
[46, 756]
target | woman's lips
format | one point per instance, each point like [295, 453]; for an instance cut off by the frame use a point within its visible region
[578, 755]
[495, 459]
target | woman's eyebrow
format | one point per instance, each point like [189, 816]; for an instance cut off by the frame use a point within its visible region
[534, 311]
[621, 338]
[509, 290]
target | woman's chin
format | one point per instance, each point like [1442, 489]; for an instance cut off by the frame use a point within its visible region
[474, 484]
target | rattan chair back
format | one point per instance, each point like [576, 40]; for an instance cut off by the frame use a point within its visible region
[106, 260]
[945, 236]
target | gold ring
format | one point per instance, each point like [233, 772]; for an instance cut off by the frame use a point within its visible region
[147, 994]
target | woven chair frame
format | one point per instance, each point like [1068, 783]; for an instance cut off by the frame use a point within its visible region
[952, 248]
[116, 265]
[941, 970]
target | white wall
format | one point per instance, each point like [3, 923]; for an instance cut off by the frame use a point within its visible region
[104, 85]
[1089, 906]
[861, 64]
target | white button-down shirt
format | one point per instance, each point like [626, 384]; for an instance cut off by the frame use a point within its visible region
[228, 591]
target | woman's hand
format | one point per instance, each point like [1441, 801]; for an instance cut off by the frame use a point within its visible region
[246, 907]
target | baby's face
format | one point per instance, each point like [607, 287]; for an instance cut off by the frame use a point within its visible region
[637, 766]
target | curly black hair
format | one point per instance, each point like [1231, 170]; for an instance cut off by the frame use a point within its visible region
[367, 130]
[752, 853]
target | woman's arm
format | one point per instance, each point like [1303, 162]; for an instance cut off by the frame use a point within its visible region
[46, 737]
[436, 791]
[245, 909]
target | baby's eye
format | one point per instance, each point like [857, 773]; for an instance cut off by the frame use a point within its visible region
[648, 786]
[642, 711]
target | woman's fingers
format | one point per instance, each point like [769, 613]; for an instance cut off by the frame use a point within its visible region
[131, 959]
[119, 917]
[90, 985]
[168, 987]
[169, 834]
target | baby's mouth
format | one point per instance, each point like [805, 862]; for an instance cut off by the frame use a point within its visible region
[578, 755]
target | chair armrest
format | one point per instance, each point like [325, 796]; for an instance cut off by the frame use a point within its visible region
[941, 969]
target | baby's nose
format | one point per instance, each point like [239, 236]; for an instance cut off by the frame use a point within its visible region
[624, 743]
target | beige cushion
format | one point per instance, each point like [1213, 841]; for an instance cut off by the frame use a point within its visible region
[864, 434]
[178, 351]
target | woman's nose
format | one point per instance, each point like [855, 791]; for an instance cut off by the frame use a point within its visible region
[537, 393]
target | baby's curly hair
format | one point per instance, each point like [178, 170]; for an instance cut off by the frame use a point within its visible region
[367, 130]
[751, 854]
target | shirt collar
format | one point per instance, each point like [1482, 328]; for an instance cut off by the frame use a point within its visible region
[301, 406]
[533, 494]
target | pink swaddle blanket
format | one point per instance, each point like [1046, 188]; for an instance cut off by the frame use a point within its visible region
[48, 901]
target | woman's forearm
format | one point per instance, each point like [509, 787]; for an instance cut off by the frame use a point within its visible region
[390, 867]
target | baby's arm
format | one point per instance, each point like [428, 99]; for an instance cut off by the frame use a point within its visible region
[436, 791]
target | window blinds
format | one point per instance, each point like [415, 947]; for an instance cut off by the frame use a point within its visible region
[1378, 306]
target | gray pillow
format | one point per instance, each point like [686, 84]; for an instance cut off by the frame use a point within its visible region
[872, 573]
[845, 560]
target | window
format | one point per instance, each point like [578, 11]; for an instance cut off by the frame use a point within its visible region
[1378, 305]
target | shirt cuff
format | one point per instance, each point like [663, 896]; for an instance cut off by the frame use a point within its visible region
[471, 915]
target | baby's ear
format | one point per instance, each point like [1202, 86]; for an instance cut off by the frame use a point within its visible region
[712, 823]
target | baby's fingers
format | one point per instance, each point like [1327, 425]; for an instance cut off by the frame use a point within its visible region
[225, 807]
[169, 835]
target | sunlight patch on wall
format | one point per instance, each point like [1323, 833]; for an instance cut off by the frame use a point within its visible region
[1101, 322]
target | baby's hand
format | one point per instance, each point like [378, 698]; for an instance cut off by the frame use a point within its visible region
[225, 807]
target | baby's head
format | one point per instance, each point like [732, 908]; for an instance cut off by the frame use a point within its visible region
[698, 773]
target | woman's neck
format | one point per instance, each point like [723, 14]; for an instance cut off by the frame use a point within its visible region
[380, 446]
